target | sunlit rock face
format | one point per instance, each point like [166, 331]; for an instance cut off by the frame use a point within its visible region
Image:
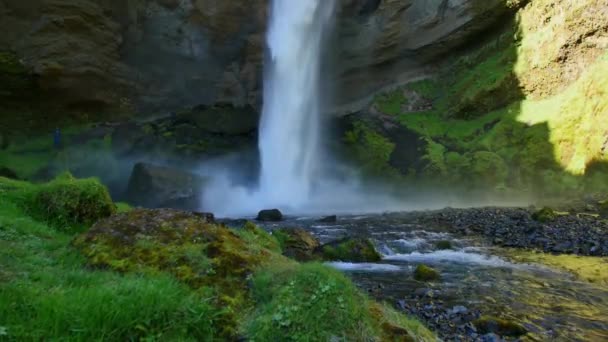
[165, 54]
[385, 42]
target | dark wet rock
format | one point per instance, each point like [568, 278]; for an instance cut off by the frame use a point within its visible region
[443, 244]
[8, 173]
[329, 219]
[493, 325]
[154, 186]
[270, 215]
[425, 273]
[298, 244]
[353, 249]
[574, 232]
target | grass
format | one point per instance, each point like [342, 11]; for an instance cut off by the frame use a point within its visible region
[312, 302]
[47, 293]
[65, 203]
[170, 286]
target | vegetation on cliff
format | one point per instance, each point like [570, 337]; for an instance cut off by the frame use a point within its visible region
[522, 108]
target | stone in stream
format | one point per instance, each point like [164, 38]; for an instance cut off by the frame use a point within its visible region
[425, 273]
[297, 244]
[443, 245]
[329, 219]
[546, 214]
[270, 215]
[154, 186]
[352, 249]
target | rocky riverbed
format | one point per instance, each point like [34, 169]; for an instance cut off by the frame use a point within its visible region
[482, 293]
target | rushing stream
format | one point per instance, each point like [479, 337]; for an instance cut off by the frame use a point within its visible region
[549, 303]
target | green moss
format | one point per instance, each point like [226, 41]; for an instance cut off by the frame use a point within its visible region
[297, 244]
[391, 102]
[122, 207]
[591, 269]
[256, 236]
[370, 148]
[489, 168]
[425, 273]
[351, 249]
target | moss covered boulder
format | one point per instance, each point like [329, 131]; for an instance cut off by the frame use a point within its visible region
[270, 215]
[297, 244]
[66, 202]
[188, 245]
[426, 273]
[350, 249]
[546, 214]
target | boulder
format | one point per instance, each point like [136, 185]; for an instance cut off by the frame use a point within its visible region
[154, 186]
[426, 273]
[329, 219]
[270, 215]
[352, 249]
[298, 244]
[544, 215]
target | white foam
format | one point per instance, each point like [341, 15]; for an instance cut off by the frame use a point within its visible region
[449, 256]
[367, 267]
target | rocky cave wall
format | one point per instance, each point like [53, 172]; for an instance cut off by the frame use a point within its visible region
[154, 56]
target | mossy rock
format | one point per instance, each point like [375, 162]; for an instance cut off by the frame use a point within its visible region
[66, 202]
[443, 245]
[350, 250]
[297, 244]
[502, 327]
[546, 214]
[426, 273]
[188, 245]
[270, 215]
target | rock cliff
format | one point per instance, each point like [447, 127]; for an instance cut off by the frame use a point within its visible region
[162, 55]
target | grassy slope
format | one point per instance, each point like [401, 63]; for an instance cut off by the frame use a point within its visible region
[49, 292]
[537, 116]
[46, 292]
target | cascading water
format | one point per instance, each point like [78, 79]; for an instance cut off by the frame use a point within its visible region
[289, 130]
[291, 178]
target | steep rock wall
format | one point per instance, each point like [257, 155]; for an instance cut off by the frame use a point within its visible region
[158, 55]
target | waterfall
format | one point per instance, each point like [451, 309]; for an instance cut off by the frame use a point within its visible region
[290, 126]
[292, 178]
